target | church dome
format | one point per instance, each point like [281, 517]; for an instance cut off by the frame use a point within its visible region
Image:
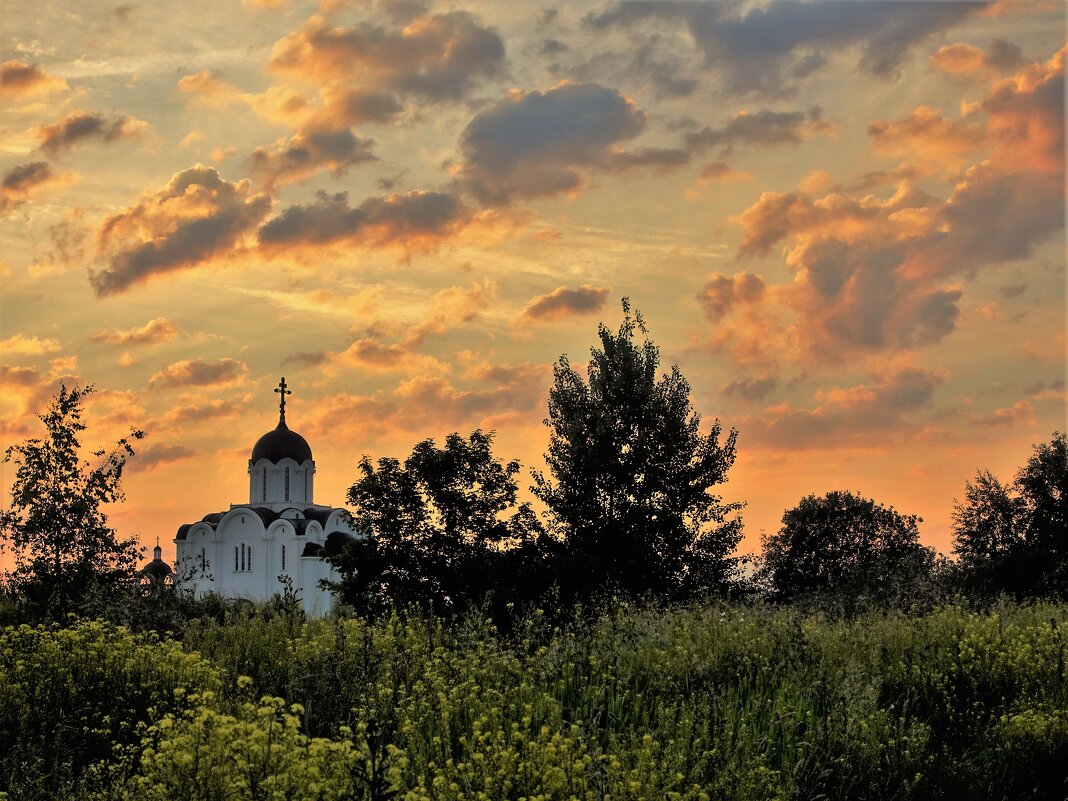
[274, 446]
[280, 444]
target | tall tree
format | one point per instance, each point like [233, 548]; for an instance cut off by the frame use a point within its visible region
[1014, 539]
[66, 554]
[632, 475]
[846, 545]
[443, 529]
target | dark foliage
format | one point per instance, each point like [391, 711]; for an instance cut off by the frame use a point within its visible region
[630, 491]
[847, 546]
[1014, 539]
[444, 530]
[67, 558]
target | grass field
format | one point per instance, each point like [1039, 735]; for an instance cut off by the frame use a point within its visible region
[716, 702]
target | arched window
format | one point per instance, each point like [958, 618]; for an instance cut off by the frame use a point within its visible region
[265, 484]
[242, 558]
[287, 483]
[283, 557]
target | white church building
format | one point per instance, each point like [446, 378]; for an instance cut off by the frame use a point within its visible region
[248, 550]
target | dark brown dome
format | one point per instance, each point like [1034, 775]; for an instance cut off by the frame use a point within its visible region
[274, 446]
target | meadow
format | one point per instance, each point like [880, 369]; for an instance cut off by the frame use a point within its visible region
[708, 701]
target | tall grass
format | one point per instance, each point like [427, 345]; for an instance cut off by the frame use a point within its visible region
[716, 702]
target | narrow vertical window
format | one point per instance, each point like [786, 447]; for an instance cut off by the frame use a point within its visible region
[307, 495]
[250, 557]
[235, 558]
[242, 557]
[265, 484]
[283, 557]
[287, 483]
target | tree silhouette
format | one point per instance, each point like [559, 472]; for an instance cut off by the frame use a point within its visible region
[66, 554]
[843, 544]
[631, 475]
[1014, 539]
[438, 527]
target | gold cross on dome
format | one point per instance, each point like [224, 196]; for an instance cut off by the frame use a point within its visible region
[282, 391]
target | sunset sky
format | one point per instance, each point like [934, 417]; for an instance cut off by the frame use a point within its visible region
[844, 221]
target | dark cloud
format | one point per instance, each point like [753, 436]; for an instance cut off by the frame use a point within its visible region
[201, 411]
[664, 158]
[154, 332]
[1012, 291]
[765, 128]
[159, 455]
[19, 182]
[309, 358]
[552, 47]
[416, 221]
[358, 106]
[19, 79]
[79, 126]
[754, 389]
[546, 143]
[565, 302]
[199, 373]
[309, 151]
[722, 292]
[720, 171]
[196, 217]
[12, 375]
[765, 48]
[651, 63]
[855, 416]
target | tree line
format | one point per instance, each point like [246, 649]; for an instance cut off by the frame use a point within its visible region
[631, 507]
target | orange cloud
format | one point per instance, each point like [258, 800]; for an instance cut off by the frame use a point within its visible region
[199, 372]
[423, 404]
[1025, 116]
[19, 79]
[870, 274]
[926, 134]
[28, 346]
[279, 104]
[434, 57]
[967, 61]
[721, 172]
[154, 332]
[859, 416]
[450, 308]
[196, 217]
[208, 88]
